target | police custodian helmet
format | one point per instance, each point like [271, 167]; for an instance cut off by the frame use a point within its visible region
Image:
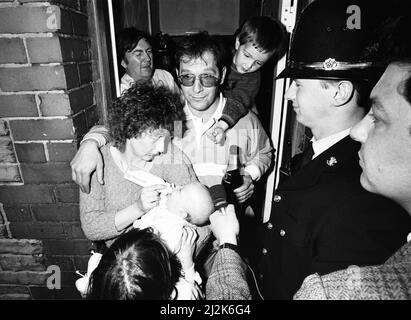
[329, 41]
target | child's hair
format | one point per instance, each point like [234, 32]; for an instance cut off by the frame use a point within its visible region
[266, 33]
[138, 266]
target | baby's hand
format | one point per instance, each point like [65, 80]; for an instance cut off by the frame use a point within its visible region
[217, 133]
[187, 248]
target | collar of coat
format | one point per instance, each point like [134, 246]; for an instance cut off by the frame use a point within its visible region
[341, 157]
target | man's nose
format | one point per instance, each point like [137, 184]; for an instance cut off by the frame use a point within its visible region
[146, 57]
[290, 93]
[197, 86]
[360, 131]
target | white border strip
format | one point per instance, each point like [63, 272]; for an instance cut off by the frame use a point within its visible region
[113, 46]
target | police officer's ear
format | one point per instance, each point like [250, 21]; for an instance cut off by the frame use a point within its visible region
[344, 91]
[223, 72]
[124, 64]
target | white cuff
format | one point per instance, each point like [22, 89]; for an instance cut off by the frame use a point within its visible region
[253, 171]
[101, 141]
[191, 275]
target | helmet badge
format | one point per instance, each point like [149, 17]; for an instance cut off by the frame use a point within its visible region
[330, 64]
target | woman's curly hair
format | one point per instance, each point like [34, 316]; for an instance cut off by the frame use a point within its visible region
[144, 107]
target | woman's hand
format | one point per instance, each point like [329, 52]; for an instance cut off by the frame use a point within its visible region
[149, 197]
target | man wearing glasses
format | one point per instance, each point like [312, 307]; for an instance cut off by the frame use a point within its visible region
[201, 71]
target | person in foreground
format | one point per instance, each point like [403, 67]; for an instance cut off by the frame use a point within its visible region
[322, 219]
[385, 136]
[139, 266]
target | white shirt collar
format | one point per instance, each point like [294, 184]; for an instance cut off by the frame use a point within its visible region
[127, 81]
[198, 124]
[321, 145]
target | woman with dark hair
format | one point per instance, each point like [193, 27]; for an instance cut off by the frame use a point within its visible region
[138, 266]
[141, 122]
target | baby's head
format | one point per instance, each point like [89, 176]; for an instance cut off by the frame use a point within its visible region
[192, 202]
[257, 41]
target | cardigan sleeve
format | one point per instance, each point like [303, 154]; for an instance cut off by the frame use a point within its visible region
[97, 223]
[97, 220]
[98, 133]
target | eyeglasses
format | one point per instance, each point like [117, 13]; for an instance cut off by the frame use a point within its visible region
[206, 80]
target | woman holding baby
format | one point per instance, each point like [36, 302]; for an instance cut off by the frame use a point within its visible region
[141, 123]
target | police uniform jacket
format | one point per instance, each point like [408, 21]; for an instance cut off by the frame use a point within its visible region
[322, 220]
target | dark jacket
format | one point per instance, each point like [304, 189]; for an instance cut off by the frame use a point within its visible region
[240, 89]
[322, 220]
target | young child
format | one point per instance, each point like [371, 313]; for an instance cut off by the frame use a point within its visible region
[173, 221]
[139, 266]
[258, 39]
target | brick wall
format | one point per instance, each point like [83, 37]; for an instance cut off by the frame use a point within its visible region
[47, 103]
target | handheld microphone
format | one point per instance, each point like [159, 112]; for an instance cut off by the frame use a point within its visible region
[219, 196]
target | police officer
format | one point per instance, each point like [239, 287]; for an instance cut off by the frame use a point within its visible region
[322, 219]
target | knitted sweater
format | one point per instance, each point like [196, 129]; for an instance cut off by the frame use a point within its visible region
[99, 208]
[240, 89]
[391, 280]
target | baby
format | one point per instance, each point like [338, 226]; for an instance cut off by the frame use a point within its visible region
[179, 208]
[189, 205]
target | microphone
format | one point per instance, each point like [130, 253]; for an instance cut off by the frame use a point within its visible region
[219, 196]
